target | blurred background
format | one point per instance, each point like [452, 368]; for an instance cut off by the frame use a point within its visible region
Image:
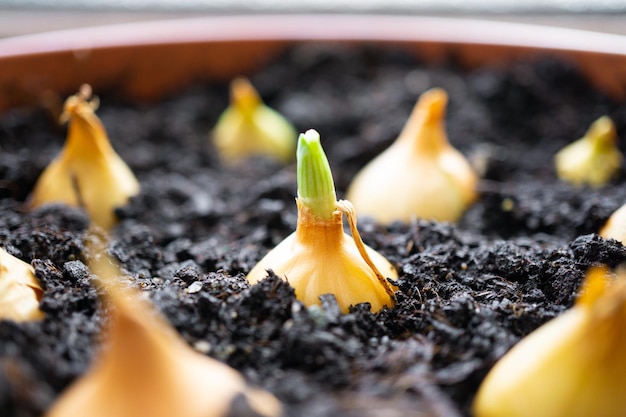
[19, 17]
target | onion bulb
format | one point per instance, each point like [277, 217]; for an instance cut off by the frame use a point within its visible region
[146, 369]
[319, 258]
[615, 226]
[572, 366]
[248, 127]
[20, 292]
[421, 175]
[87, 173]
[593, 159]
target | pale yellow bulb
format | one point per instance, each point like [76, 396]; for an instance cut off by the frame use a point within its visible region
[573, 366]
[420, 175]
[319, 258]
[20, 292]
[146, 369]
[593, 159]
[615, 226]
[248, 127]
[87, 173]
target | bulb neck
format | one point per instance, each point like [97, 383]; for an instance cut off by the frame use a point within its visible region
[318, 232]
[245, 97]
[86, 136]
[430, 139]
[425, 129]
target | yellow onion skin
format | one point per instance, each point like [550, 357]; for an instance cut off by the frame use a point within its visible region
[248, 127]
[20, 292]
[615, 226]
[88, 173]
[146, 369]
[573, 366]
[320, 258]
[420, 175]
[593, 159]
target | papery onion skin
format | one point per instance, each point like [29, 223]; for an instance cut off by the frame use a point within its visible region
[146, 369]
[320, 258]
[615, 226]
[20, 292]
[420, 175]
[573, 366]
[593, 159]
[248, 128]
[87, 173]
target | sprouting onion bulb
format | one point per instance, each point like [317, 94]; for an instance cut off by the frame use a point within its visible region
[248, 127]
[593, 159]
[420, 175]
[146, 369]
[615, 226]
[87, 173]
[319, 258]
[573, 366]
[20, 292]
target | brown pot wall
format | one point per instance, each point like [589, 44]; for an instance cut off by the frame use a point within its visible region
[150, 59]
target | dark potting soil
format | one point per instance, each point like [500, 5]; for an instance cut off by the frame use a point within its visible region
[466, 292]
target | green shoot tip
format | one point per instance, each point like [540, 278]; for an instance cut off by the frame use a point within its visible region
[316, 187]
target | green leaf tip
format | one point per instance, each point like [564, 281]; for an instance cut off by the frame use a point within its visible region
[316, 188]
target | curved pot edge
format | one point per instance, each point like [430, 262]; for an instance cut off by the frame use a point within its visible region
[148, 59]
[318, 27]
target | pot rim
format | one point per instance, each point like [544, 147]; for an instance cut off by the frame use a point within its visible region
[147, 60]
[322, 27]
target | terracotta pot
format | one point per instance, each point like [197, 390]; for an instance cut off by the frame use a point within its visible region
[147, 60]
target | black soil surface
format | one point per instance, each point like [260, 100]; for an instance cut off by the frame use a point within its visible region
[466, 292]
